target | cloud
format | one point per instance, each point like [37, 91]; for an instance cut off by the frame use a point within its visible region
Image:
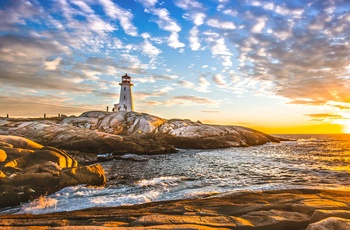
[165, 22]
[97, 25]
[201, 86]
[83, 6]
[123, 16]
[194, 39]
[219, 79]
[190, 100]
[174, 42]
[16, 12]
[260, 25]
[221, 24]
[210, 111]
[295, 50]
[188, 4]
[322, 117]
[52, 65]
[186, 84]
[194, 10]
[25, 49]
[198, 18]
[302, 60]
[342, 107]
[150, 50]
[220, 50]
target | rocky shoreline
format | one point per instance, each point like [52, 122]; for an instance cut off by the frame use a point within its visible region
[31, 168]
[295, 209]
[129, 132]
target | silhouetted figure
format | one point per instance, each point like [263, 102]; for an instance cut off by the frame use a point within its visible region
[44, 115]
[113, 109]
[59, 115]
[107, 108]
[7, 116]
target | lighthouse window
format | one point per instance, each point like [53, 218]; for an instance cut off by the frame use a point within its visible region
[124, 97]
[124, 88]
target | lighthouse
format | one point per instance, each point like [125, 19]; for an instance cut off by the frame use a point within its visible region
[125, 98]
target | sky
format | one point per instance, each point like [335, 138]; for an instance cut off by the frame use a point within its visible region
[276, 66]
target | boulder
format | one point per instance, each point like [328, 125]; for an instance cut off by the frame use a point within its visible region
[91, 175]
[14, 153]
[331, 223]
[19, 142]
[323, 214]
[61, 158]
[3, 155]
[40, 171]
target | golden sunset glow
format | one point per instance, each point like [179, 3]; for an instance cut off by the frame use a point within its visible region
[280, 67]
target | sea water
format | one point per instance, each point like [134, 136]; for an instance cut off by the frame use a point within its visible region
[311, 161]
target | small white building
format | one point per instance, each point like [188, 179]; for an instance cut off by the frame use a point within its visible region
[125, 97]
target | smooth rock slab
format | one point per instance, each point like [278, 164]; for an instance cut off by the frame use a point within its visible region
[242, 210]
[309, 206]
[210, 221]
[274, 219]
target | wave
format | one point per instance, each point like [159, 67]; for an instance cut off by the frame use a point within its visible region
[162, 181]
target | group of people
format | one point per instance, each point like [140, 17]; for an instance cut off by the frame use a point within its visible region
[108, 109]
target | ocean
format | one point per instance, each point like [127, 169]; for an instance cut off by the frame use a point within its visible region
[311, 161]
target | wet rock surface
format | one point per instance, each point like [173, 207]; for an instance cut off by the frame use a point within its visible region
[239, 210]
[31, 170]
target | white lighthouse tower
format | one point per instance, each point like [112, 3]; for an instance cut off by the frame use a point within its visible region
[125, 98]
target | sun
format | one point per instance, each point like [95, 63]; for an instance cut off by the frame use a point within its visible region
[346, 127]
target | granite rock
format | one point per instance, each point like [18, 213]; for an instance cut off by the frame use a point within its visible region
[131, 132]
[39, 170]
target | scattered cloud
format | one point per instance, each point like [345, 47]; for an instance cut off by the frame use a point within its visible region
[194, 39]
[221, 24]
[260, 25]
[220, 81]
[165, 22]
[52, 65]
[123, 16]
[295, 50]
[210, 111]
[190, 100]
[324, 115]
[148, 49]
[342, 107]
[188, 4]
[321, 117]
